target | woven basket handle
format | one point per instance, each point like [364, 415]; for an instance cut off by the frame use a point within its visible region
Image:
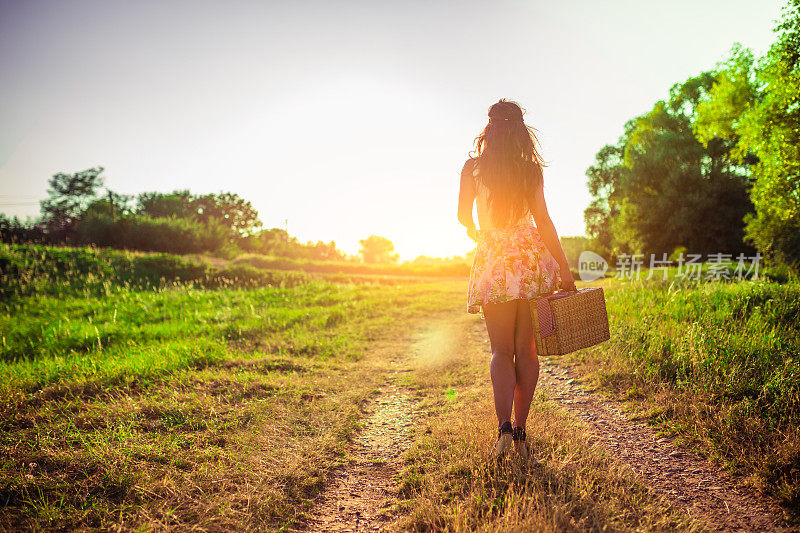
[561, 292]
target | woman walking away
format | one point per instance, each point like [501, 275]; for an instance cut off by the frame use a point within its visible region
[516, 262]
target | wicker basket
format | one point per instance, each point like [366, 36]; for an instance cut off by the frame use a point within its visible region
[567, 321]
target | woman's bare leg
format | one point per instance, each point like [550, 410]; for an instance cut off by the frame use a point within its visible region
[527, 363]
[500, 323]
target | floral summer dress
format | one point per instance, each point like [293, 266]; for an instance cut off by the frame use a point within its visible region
[510, 264]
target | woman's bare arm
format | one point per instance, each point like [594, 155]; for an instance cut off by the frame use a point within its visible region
[466, 198]
[550, 237]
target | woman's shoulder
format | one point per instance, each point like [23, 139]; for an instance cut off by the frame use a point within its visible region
[470, 168]
[469, 165]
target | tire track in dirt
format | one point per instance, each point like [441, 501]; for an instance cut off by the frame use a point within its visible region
[717, 499]
[362, 493]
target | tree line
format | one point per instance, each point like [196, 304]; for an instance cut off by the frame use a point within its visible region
[715, 167]
[76, 212]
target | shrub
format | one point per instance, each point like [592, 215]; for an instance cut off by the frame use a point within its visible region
[140, 232]
[30, 269]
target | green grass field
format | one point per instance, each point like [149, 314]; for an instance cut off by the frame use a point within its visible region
[349, 267]
[151, 401]
[717, 364]
[152, 392]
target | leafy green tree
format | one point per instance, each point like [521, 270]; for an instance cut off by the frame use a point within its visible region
[273, 241]
[375, 249]
[176, 204]
[230, 210]
[756, 107]
[734, 91]
[278, 242]
[604, 178]
[659, 188]
[69, 195]
[322, 251]
[112, 204]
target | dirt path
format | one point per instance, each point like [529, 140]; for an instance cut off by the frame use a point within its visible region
[720, 501]
[361, 494]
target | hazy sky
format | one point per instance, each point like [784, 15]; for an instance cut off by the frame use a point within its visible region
[347, 118]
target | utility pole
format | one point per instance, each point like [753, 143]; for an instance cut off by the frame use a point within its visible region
[111, 205]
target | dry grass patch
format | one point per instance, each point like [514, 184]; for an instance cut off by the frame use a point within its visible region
[450, 482]
[218, 449]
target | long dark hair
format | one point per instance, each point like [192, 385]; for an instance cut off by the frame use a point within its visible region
[510, 165]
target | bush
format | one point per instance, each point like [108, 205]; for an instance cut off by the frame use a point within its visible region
[140, 232]
[33, 269]
[13, 230]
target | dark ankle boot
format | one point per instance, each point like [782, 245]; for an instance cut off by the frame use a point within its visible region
[520, 444]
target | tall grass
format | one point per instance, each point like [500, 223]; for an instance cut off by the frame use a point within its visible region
[724, 361]
[34, 269]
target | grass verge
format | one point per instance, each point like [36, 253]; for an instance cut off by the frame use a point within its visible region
[716, 364]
